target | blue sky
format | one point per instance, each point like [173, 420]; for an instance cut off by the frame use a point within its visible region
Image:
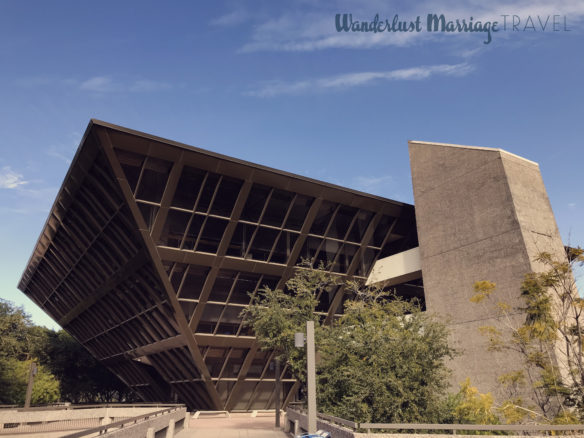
[275, 83]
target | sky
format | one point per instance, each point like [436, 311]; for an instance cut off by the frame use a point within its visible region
[275, 83]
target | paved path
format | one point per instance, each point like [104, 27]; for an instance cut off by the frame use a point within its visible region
[237, 426]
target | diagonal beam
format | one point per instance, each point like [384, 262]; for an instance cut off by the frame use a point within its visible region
[221, 250]
[105, 141]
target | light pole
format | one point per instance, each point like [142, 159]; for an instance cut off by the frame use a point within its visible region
[310, 371]
[31, 374]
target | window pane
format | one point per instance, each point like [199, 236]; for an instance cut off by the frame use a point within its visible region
[345, 257]
[234, 362]
[245, 285]
[194, 282]
[177, 275]
[262, 243]
[230, 321]
[382, 230]
[131, 164]
[207, 193]
[366, 261]
[310, 247]
[226, 196]
[255, 203]
[148, 213]
[209, 318]
[284, 247]
[360, 226]
[174, 228]
[298, 213]
[193, 232]
[277, 208]
[212, 234]
[153, 180]
[214, 360]
[327, 254]
[241, 239]
[222, 285]
[323, 218]
[341, 222]
[188, 308]
[188, 188]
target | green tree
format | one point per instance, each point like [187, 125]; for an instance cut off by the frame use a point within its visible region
[14, 380]
[383, 360]
[275, 315]
[550, 341]
[62, 362]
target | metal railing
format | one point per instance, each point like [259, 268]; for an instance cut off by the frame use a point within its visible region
[474, 427]
[123, 423]
[86, 418]
[453, 428]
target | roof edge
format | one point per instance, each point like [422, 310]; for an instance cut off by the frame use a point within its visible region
[243, 162]
[480, 148]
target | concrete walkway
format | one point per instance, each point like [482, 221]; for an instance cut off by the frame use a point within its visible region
[237, 426]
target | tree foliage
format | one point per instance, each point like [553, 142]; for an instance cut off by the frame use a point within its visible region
[550, 341]
[383, 360]
[66, 371]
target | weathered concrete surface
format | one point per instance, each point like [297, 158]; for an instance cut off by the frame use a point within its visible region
[482, 214]
[158, 424]
[237, 426]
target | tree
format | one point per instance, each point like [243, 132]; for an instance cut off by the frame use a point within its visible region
[275, 315]
[14, 380]
[550, 342]
[382, 360]
[66, 369]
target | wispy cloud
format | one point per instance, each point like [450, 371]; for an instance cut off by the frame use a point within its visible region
[572, 204]
[371, 183]
[9, 179]
[347, 80]
[106, 84]
[231, 19]
[315, 29]
[98, 84]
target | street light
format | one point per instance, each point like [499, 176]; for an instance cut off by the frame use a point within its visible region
[310, 371]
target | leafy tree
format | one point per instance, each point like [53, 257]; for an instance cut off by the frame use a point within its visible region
[550, 341]
[275, 315]
[383, 360]
[83, 379]
[66, 369]
[14, 380]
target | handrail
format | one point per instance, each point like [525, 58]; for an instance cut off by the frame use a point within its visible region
[452, 427]
[485, 427]
[338, 420]
[122, 423]
[61, 407]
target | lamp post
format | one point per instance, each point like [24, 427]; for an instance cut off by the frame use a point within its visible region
[31, 374]
[310, 371]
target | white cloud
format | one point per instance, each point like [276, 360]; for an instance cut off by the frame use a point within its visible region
[98, 84]
[343, 81]
[106, 84]
[572, 204]
[315, 29]
[9, 179]
[231, 19]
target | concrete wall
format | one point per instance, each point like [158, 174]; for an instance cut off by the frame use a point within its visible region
[482, 214]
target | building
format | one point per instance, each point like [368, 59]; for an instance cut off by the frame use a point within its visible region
[152, 248]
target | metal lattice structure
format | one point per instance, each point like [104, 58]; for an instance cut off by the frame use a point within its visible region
[152, 248]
